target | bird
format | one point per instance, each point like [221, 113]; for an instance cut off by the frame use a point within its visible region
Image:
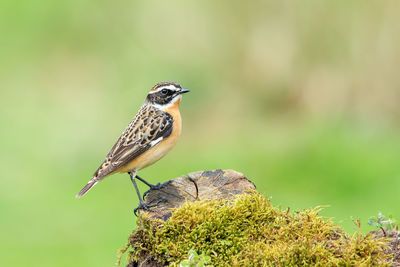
[151, 134]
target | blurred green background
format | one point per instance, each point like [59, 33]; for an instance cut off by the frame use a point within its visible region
[300, 96]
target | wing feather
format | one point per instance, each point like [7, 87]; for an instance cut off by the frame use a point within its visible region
[144, 132]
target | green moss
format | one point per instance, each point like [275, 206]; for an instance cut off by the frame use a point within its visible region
[249, 231]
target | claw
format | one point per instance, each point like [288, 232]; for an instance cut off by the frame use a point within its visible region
[156, 187]
[145, 206]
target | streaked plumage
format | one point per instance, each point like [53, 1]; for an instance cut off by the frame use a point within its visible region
[150, 135]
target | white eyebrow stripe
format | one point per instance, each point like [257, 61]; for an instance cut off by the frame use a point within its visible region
[171, 87]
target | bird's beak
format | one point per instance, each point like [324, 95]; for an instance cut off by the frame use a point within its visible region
[182, 91]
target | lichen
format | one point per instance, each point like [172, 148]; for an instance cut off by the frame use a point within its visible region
[249, 231]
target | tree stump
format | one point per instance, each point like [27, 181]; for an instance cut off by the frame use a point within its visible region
[196, 186]
[202, 185]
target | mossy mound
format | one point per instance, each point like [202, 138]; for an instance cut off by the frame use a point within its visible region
[249, 231]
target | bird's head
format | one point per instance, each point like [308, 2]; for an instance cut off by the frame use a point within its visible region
[165, 94]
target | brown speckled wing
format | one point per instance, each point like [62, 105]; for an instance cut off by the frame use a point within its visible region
[148, 125]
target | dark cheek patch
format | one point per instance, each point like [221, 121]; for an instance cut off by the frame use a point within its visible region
[159, 98]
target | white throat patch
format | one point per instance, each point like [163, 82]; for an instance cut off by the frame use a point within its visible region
[170, 104]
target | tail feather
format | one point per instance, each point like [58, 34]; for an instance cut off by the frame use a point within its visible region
[87, 187]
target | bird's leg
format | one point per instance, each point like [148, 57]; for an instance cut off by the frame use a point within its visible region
[142, 205]
[152, 187]
[145, 182]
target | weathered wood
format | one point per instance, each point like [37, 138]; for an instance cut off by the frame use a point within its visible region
[202, 185]
[196, 186]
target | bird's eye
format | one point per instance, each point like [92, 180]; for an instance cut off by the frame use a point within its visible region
[164, 91]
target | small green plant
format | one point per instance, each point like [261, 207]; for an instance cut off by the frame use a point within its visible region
[195, 260]
[382, 222]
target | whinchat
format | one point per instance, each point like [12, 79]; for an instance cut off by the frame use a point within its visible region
[152, 133]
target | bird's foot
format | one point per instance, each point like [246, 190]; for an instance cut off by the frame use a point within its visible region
[156, 187]
[145, 206]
